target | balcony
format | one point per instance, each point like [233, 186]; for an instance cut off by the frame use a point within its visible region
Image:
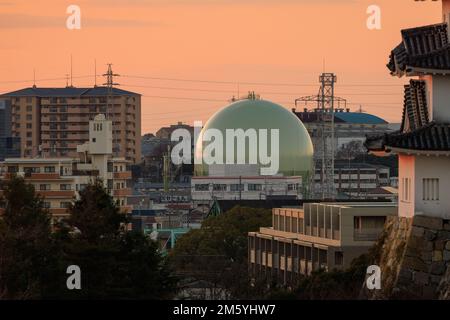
[42, 176]
[59, 211]
[122, 192]
[63, 194]
[122, 175]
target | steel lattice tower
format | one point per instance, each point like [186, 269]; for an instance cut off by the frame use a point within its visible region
[325, 105]
[110, 105]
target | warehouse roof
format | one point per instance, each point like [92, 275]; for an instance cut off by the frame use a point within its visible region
[342, 117]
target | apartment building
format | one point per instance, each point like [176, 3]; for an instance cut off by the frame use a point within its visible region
[9, 145]
[318, 236]
[51, 122]
[59, 180]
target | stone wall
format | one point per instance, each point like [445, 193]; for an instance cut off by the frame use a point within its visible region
[414, 257]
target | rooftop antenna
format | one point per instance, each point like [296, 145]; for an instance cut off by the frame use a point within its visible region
[67, 80]
[95, 73]
[34, 78]
[71, 73]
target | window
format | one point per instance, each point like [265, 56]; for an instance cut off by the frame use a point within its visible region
[29, 125]
[430, 189]
[64, 204]
[201, 187]
[235, 187]
[46, 205]
[338, 258]
[49, 169]
[44, 187]
[29, 134]
[406, 190]
[29, 108]
[254, 187]
[220, 187]
[65, 187]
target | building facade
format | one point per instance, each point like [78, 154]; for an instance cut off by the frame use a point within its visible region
[348, 126]
[59, 180]
[358, 180]
[9, 145]
[51, 122]
[319, 236]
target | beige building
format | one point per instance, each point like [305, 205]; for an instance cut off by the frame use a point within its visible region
[59, 180]
[318, 236]
[51, 122]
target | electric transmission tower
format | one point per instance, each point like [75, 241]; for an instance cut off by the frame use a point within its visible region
[324, 103]
[110, 105]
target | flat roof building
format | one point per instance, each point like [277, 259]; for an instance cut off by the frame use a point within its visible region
[317, 236]
[51, 122]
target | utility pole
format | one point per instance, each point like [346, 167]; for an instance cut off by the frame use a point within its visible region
[324, 107]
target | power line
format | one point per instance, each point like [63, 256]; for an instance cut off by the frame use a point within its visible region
[257, 83]
[262, 93]
[44, 79]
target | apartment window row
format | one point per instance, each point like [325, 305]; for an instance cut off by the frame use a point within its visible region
[234, 187]
[62, 205]
[48, 187]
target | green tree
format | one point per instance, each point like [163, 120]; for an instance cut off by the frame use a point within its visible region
[95, 214]
[114, 263]
[217, 252]
[26, 247]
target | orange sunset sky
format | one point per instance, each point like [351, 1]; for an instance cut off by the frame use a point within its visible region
[281, 43]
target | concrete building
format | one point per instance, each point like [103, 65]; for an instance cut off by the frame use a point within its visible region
[59, 180]
[422, 143]
[318, 236]
[166, 132]
[9, 145]
[207, 189]
[51, 122]
[348, 126]
[358, 180]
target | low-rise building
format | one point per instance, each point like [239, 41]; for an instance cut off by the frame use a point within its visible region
[317, 236]
[357, 180]
[59, 180]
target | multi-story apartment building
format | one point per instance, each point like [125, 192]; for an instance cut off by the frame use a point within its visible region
[58, 180]
[53, 121]
[318, 236]
[9, 145]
